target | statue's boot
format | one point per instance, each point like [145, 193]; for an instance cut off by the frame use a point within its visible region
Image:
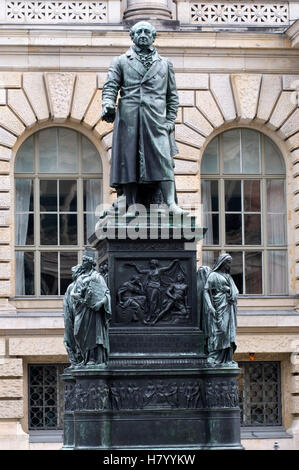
[168, 191]
[130, 192]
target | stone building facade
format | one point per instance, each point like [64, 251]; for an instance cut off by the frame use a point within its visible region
[237, 67]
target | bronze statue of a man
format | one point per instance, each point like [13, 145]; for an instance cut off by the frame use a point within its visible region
[143, 141]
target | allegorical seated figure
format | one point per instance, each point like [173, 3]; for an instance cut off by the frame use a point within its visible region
[143, 140]
[217, 298]
[131, 296]
[90, 300]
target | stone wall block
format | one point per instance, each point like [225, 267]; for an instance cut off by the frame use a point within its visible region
[207, 106]
[192, 81]
[5, 154]
[10, 367]
[5, 201]
[33, 84]
[36, 346]
[183, 167]
[179, 117]
[246, 89]
[10, 79]
[60, 87]
[11, 388]
[295, 384]
[5, 253]
[283, 108]
[93, 114]
[221, 88]
[18, 102]
[291, 125]
[4, 168]
[187, 183]
[84, 89]
[187, 152]
[293, 142]
[270, 90]
[295, 156]
[188, 136]
[11, 409]
[3, 97]
[186, 97]
[107, 141]
[103, 128]
[2, 347]
[101, 79]
[295, 404]
[290, 82]
[6, 138]
[4, 235]
[4, 183]
[188, 199]
[195, 119]
[9, 121]
[5, 288]
[5, 270]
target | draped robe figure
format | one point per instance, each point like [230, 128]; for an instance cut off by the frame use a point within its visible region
[218, 296]
[92, 314]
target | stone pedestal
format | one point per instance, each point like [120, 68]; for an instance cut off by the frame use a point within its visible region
[157, 391]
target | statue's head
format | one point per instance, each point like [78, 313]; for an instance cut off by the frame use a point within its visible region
[88, 262]
[224, 262]
[180, 277]
[143, 34]
[154, 263]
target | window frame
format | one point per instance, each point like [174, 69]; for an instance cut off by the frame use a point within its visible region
[80, 176]
[264, 248]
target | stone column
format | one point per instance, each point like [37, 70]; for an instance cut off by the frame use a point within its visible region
[147, 9]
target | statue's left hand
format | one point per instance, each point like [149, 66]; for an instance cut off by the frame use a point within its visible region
[170, 126]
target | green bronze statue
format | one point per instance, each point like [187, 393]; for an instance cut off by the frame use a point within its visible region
[87, 313]
[143, 140]
[217, 302]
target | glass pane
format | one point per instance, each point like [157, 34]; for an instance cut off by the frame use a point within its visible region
[67, 150]
[49, 273]
[237, 269]
[209, 258]
[276, 196]
[276, 229]
[89, 226]
[209, 195]
[48, 150]
[231, 151]
[67, 195]
[233, 195]
[233, 229]
[253, 273]
[252, 229]
[250, 151]
[25, 157]
[91, 160]
[24, 195]
[92, 194]
[48, 229]
[67, 261]
[274, 164]
[211, 222]
[277, 272]
[68, 229]
[210, 162]
[24, 229]
[252, 198]
[25, 273]
[48, 195]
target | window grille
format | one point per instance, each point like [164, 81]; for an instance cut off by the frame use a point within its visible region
[260, 394]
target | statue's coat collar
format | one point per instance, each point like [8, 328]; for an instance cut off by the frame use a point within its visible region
[137, 65]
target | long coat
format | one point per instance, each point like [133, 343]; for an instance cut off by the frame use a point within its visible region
[142, 148]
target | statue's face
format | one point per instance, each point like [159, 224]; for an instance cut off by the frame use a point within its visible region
[143, 35]
[227, 265]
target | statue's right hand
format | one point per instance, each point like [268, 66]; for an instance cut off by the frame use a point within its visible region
[108, 113]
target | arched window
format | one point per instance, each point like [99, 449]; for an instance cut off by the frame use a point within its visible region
[58, 185]
[244, 208]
